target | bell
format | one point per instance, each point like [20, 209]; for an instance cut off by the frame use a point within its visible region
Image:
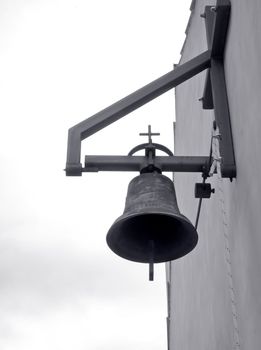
[151, 229]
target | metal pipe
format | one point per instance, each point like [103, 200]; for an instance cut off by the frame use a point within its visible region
[136, 163]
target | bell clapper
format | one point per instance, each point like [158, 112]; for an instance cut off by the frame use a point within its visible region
[151, 271]
[151, 263]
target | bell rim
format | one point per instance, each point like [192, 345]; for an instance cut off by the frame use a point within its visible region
[185, 221]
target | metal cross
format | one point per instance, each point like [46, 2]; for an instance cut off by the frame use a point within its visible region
[149, 133]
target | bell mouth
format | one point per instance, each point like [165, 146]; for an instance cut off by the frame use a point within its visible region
[131, 237]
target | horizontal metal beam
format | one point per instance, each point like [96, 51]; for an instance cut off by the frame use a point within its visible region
[136, 163]
[128, 104]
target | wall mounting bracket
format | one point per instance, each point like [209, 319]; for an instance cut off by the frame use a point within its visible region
[215, 96]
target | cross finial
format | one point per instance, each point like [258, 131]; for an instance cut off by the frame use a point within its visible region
[149, 134]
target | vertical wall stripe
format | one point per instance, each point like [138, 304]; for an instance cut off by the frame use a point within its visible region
[216, 155]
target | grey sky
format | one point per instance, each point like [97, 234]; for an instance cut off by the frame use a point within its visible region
[62, 61]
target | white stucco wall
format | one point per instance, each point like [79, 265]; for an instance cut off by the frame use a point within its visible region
[215, 291]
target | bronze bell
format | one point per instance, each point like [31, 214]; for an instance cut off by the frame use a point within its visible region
[151, 229]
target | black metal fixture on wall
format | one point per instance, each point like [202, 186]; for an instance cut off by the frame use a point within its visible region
[151, 228]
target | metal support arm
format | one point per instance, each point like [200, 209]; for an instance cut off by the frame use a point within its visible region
[128, 104]
[217, 19]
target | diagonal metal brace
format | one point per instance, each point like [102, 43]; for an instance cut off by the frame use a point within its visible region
[128, 104]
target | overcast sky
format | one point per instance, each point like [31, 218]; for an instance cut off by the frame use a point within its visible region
[62, 61]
